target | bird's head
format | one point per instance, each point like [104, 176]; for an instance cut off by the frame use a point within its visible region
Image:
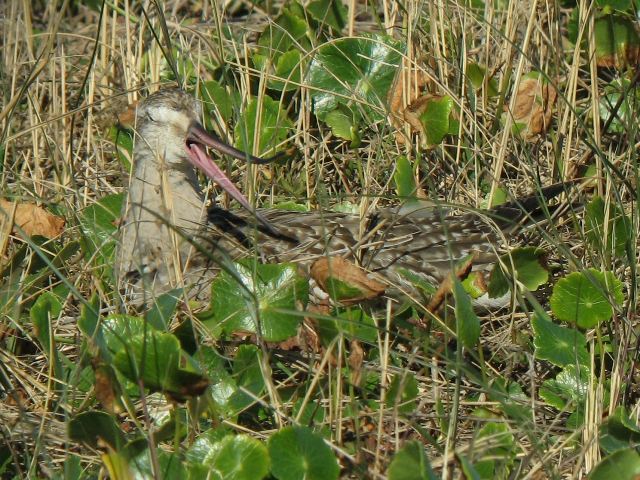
[168, 123]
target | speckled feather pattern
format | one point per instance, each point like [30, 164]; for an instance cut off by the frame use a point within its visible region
[164, 217]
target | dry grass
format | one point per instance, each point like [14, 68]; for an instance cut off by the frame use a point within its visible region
[65, 76]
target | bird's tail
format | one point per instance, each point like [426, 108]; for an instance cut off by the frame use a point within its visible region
[532, 208]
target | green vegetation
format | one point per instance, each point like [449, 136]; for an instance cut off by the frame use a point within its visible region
[466, 103]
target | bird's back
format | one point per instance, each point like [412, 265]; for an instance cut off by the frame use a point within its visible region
[387, 243]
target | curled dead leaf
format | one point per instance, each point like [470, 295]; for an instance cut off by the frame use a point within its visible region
[32, 219]
[344, 281]
[356, 360]
[127, 117]
[438, 298]
[407, 87]
[533, 106]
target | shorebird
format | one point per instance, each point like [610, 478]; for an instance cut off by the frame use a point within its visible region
[166, 226]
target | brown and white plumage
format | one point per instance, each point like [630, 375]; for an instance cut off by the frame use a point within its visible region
[165, 216]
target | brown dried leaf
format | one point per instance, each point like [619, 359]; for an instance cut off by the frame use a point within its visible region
[356, 359]
[105, 389]
[350, 282]
[32, 219]
[445, 287]
[533, 106]
[128, 117]
[406, 88]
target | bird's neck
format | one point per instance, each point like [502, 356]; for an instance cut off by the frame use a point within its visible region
[165, 192]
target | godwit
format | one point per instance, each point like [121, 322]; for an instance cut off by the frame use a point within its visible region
[165, 214]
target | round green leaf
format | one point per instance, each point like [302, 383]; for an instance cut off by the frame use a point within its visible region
[360, 69]
[528, 264]
[560, 345]
[583, 297]
[404, 179]
[248, 377]
[276, 288]
[299, 454]
[411, 463]
[271, 123]
[329, 12]
[568, 389]
[477, 75]
[621, 5]
[403, 392]
[616, 40]
[436, 119]
[157, 359]
[97, 223]
[467, 322]
[607, 227]
[621, 465]
[342, 124]
[238, 457]
[353, 323]
[95, 429]
[215, 96]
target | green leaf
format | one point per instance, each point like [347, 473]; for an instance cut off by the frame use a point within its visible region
[616, 40]
[164, 306]
[46, 307]
[299, 454]
[500, 438]
[184, 65]
[474, 285]
[620, 5]
[559, 345]
[417, 281]
[353, 323]
[117, 330]
[90, 316]
[285, 32]
[329, 12]
[215, 97]
[249, 380]
[607, 227]
[270, 121]
[96, 429]
[436, 119]
[276, 289]
[205, 443]
[569, 388]
[122, 138]
[288, 69]
[619, 431]
[349, 70]
[342, 125]
[467, 322]
[411, 463]
[583, 297]
[621, 465]
[155, 358]
[403, 392]
[468, 470]
[169, 465]
[529, 266]
[238, 457]
[404, 179]
[98, 226]
[499, 453]
[477, 75]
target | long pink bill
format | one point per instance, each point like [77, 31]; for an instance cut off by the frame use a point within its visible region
[202, 161]
[198, 134]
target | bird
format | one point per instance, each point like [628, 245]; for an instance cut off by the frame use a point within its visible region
[169, 238]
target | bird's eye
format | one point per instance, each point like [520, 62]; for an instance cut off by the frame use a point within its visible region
[150, 117]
